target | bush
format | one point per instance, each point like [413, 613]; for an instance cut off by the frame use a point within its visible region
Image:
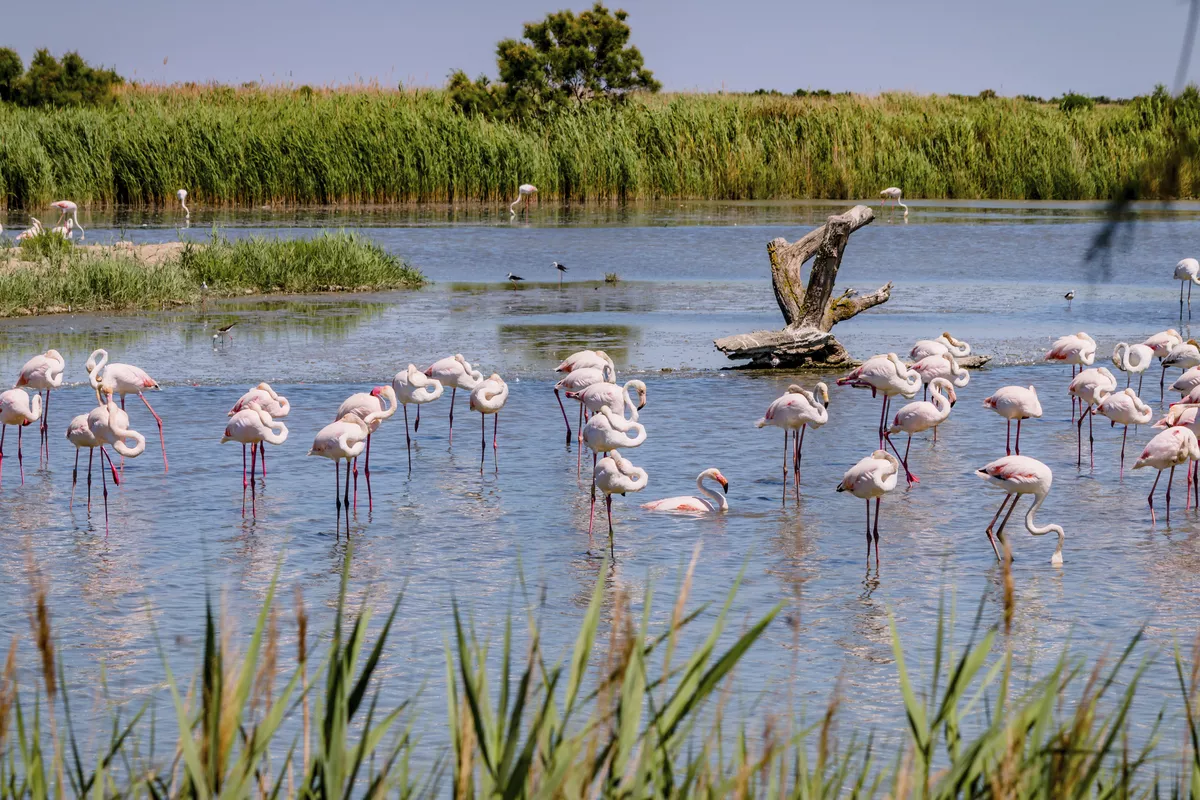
[1075, 102]
[48, 82]
[987, 94]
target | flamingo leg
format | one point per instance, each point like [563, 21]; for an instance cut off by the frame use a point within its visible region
[563, 409]
[20, 458]
[1141, 375]
[453, 392]
[908, 476]
[253, 455]
[262, 460]
[417, 426]
[992, 524]
[1161, 382]
[74, 478]
[495, 427]
[407, 438]
[45, 431]
[3, 430]
[158, 420]
[785, 464]
[592, 512]
[346, 499]
[877, 501]
[1196, 482]
[355, 481]
[1150, 497]
[1170, 480]
[612, 553]
[1189, 299]
[882, 418]
[1011, 509]
[253, 489]
[367, 475]
[482, 440]
[337, 485]
[800, 452]
[1079, 442]
[1123, 435]
[1018, 435]
[104, 484]
[1091, 440]
[1181, 299]
[868, 501]
[91, 453]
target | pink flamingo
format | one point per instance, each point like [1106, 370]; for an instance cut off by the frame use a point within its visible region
[43, 373]
[584, 359]
[1169, 449]
[370, 408]
[1186, 415]
[1014, 402]
[105, 424]
[575, 382]
[488, 397]
[943, 344]
[80, 434]
[1124, 408]
[921, 416]
[1076, 349]
[255, 427]
[942, 365]
[1184, 356]
[1015, 476]
[1089, 387]
[266, 399]
[710, 501]
[16, 408]
[342, 440]
[887, 375]
[607, 431]
[1132, 359]
[68, 209]
[412, 386]
[872, 477]
[597, 395]
[794, 411]
[453, 371]
[615, 474]
[1187, 272]
[1186, 382]
[125, 379]
[1162, 343]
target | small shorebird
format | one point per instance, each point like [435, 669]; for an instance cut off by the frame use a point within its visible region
[562, 269]
[514, 279]
[1069, 296]
[224, 331]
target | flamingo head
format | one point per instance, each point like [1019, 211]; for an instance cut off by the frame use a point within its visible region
[719, 478]
[377, 391]
[823, 391]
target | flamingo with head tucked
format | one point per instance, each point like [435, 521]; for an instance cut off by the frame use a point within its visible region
[415, 387]
[456, 372]
[1076, 349]
[923, 415]
[265, 398]
[597, 395]
[1168, 450]
[16, 408]
[1133, 359]
[34, 229]
[794, 411]
[43, 373]
[1124, 408]
[342, 440]
[1187, 272]
[255, 427]
[709, 501]
[887, 375]
[615, 474]
[943, 344]
[942, 365]
[488, 397]
[1014, 402]
[607, 431]
[578, 379]
[106, 424]
[1162, 343]
[872, 478]
[1015, 476]
[1188, 381]
[1089, 387]
[124, 379]
[370, 408]
[1184, 356]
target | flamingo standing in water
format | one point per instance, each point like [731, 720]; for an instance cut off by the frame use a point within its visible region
[344, 439]
[942, 365]
[1184, 356]
[615, 474]
[923, 415]
[1132, 359]
[370, 408]
[1162, 343]
[887, 375]
[1015, 476]
[124, 379]
[872, 477]
[269, 401]
[892, 193]
[453, 371]
[1124, 408]
[1186, 415]
[43, 373]
[69, 211]
[488, 397]
[1169, 449]
[943, 344]
[584, 359]
[1014, 402]
[413, 386]
[1188, 381]
[16, 408]
[1089, 387]
[181, 195]
[255, 427]
[1187, 272]
[1076, 349]
[524, 192]
[104, 425]
[794, 412]
[709, 502]
[607, 431]
[80, 434]
[597, 395]
[576, 381]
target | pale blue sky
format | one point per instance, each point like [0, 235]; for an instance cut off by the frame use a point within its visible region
[1044, 47]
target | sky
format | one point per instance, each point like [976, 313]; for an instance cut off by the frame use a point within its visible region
[1117, 48]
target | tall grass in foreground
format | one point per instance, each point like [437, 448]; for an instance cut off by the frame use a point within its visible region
[48, 274]
[633, 716]
[230, 147]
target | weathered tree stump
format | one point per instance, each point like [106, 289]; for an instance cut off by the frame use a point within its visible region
[809, 312]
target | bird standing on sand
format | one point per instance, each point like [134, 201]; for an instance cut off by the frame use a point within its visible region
[524, 192]
[872, 477]
[892, 193]
[1069, 296]
[562, 270]
[1015, 476]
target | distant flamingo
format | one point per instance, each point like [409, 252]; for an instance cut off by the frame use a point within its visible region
[43, 373]
[942, 365]
[124, 379]
[1184, 356]
[68, 209]
[607, 431]
[16, 408]
[872, 477]
[344, 440]
[615, 474]
[1187, 272]
[413, 386]
[892, 193]
[33, 230]
[370, 408]
[1133, 359]
[1169, 449]
[1089, 387]
[921, 416]
[1124, 408]
[255, 427]
[885, 374]
[1015, 476]
[455, 372]
[1014, 402]
[181, 195]
[943, 344]
[1076, 349]
[524, 192]
[576, 381]
[708, 503]
[66, 230]
[488, 397]
[794, 411]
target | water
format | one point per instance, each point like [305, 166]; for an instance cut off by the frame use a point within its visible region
[992, 274]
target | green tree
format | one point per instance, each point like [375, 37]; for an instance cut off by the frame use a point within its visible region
[72, 82]
[11, 69]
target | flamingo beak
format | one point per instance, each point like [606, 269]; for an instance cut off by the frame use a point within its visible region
[724, 484]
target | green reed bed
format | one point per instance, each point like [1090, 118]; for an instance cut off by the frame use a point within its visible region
[241, 147]
[48, 274]
[628, 712]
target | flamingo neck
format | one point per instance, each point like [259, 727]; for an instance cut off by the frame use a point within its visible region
[715, 499]
[1037, 530]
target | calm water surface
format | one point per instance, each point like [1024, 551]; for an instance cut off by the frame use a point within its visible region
[993, 274]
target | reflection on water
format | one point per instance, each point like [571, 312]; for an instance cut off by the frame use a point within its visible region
[547, 345]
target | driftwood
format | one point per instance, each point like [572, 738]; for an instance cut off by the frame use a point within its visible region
[809, 312]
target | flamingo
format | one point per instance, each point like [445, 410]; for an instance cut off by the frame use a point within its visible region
[105, 424]
[341, 440]
[794, 411]
[1133, 359]
[892, 193]
[605, 432]
[1015, 476]
[1162, 343]
[255, 427]
[1124, 408]
[872, 477]
[66, 230]
[1187, 272]
[1187, 381]
[524, 192]
[453, 371]
[885, 374]
[586, 358]
[66, 209]
[16, 408]
[942, 365]
[1089, 387]
[922, 416]
[597, 395]
[1184, 356]
[1169, 449]
[181, 195]
[709, 502]
[1186, 416]
[1069, 297]
[43, 373]
[412, 386]
[1014, 402]
[80, 434]
[615, 474]
[124, 379]
[943, 344]
[488, 397]
[576, 381]
[370, 408]
[35, 229]
[265, 398]
[1076, 349]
